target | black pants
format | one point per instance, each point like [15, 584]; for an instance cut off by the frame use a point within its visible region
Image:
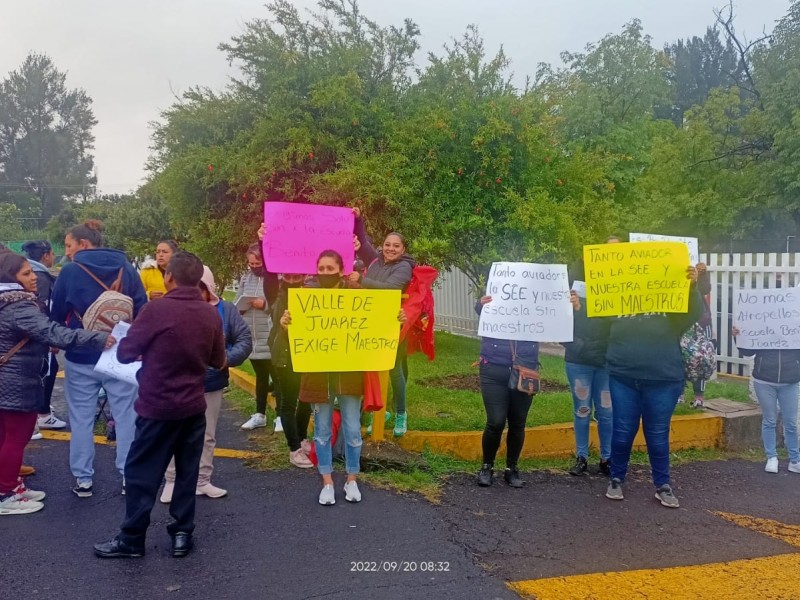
[156, 442]
[294, 415]
[265, 376]
[502, 405]
[49, 384]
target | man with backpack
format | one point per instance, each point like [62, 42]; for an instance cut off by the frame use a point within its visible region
[96, 290]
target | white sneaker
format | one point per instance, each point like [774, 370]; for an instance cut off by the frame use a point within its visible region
[794, 467]
[256, 420]
[299, 459]
[50, 422]
[166, 493]
[210, 490]
[772, 465]
[37, 435]
[306, 446]
[22, 492]
[278, 425]
[351, 492]
[14, 505]
[327, 496]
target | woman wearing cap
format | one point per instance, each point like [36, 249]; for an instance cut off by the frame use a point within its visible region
[238, 345]
[41, 258]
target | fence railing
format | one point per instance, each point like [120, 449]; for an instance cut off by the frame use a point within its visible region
[455, 297]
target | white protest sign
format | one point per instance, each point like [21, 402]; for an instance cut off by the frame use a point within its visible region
[694, 252]
[530, 302]
[767, 319]
[579, 287]
[108, 363]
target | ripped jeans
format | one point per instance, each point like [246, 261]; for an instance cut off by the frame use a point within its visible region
[350, 409]
[589, 387]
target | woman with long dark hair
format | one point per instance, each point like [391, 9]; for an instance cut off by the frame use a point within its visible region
[26, 335]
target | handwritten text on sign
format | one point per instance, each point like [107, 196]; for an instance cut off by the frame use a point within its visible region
[295, 235]
[343, 330]
[633, 279]
[767, 319]
[694, 251]
[530, 302]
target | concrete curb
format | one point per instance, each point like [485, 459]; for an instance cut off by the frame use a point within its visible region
[730, 425]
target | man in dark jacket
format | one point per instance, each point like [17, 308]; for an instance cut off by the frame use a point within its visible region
[239, 345]
[178, 338]
[73, 293]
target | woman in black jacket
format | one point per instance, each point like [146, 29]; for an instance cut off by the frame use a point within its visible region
[26, 336]
[776, 379]
[40, 256]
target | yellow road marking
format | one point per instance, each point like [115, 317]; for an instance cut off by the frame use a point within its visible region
[774, 529]
[64, 436]
[753, 579]
[756, 578]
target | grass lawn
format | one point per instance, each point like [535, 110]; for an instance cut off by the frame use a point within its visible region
[434, 407]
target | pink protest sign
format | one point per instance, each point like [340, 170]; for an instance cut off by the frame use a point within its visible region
[295, 235]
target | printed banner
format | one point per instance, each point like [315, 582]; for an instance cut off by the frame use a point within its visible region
[694, 249]
[335, 330]
[530, 302]
[767, 319]
[295, 235]
[636, 278]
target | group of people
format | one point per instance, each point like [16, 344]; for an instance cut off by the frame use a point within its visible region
[186, 337]
[622, 371]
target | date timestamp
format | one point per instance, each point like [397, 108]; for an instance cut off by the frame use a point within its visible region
[399, 566]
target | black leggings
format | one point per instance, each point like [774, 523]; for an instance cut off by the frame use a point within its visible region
[294, 415]
[264, 384]
[502, 404]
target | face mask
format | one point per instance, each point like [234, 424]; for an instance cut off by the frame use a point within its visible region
[329, 281]
[257, 271]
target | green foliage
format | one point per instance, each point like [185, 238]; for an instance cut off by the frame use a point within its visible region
[45, 138]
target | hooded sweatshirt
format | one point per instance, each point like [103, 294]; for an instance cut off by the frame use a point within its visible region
[44, 283]
[380, 274]
[75, 291]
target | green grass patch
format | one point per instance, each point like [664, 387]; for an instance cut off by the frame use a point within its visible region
[432, 407]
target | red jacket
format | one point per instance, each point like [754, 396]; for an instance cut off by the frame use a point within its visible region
[178, 337]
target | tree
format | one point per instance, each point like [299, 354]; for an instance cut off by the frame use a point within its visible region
[45, 135]
[697, 66]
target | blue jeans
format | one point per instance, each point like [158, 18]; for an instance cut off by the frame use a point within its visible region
[769, 398]
[589, 387]
[81, 387]
[653, 402]
[350, 409]
[397, 377]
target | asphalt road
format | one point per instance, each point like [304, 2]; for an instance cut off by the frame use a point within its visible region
[270, 538]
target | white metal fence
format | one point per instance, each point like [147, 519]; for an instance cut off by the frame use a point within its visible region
[455, 297]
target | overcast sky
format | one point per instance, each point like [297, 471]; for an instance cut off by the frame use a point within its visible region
[131, 57]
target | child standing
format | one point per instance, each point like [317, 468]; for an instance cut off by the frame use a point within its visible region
[177, 338]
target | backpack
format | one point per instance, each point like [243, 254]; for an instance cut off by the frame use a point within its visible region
[110, 307]
[699, 354]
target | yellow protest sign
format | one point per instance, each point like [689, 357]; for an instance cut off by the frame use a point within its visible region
[632, 279]
[335, 330]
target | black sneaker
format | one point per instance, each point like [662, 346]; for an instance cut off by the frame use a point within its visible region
[605, 468]
[485, 476]
[580, 467]
[82, 490]
[511, 475]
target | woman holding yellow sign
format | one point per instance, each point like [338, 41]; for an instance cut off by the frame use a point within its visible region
[646, 377]
[322, 390]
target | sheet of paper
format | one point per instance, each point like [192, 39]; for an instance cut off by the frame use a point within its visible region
[243, 303]
[530, 302]
[108, 363]
[691, 242]
[767, 319]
